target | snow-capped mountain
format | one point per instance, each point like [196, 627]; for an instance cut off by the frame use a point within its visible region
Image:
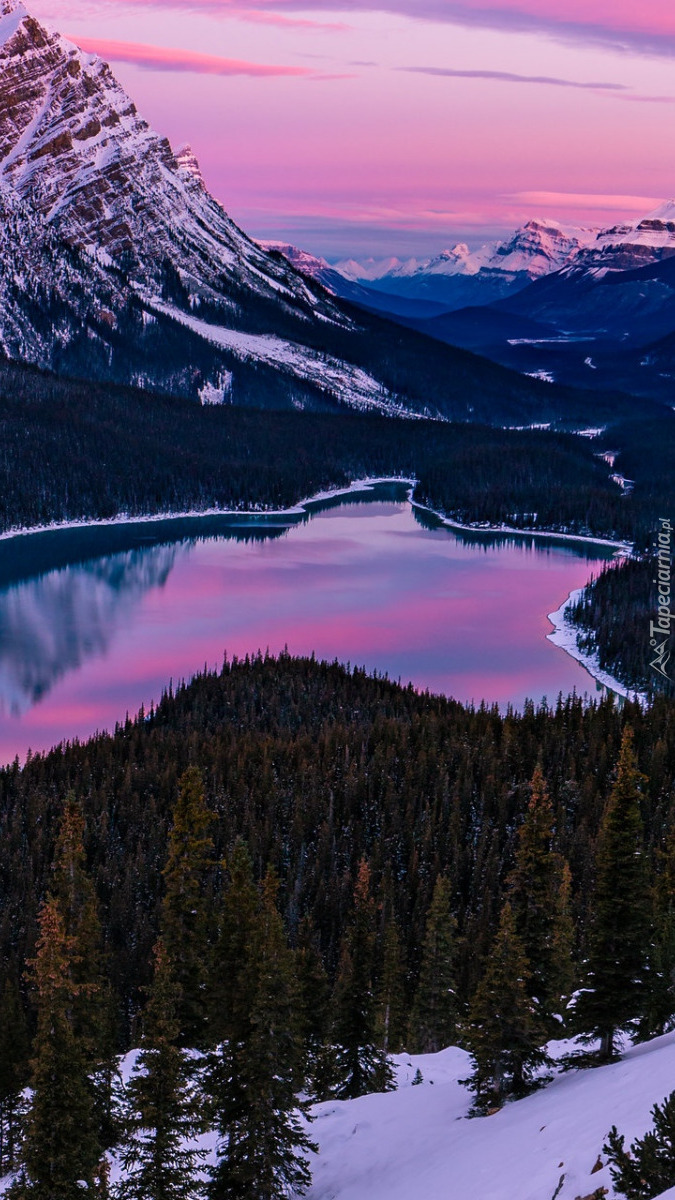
[73, 146]
[108, 237]
[461, 276]
[340, 284]
[633, 244]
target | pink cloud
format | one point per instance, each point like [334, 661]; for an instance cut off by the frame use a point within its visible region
[580, 200]
[162, 58]
[629, 25]
[258, 16]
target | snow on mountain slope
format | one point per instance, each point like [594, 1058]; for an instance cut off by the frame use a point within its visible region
[418, 1143]
[48, 296]
[539, 247]
[372, 269]
[348, 384]
[634, 244]
[73, 145]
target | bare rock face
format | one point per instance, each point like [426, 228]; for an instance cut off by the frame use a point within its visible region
[73, 147]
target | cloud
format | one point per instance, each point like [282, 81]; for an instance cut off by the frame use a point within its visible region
[509, 77]
[162, 58]
[585, 200]
[259, 16]
[623, 25]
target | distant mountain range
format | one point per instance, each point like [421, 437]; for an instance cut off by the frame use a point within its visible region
[500, 268]
[460, 275]
[588, 308]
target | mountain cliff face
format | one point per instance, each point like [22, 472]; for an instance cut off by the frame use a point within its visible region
[73, 146]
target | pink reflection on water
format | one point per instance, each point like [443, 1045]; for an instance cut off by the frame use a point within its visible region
[361, 583]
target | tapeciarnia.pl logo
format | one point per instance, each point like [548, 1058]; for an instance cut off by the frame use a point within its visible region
[660, 630]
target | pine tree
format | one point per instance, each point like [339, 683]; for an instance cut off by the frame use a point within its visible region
[73, 889]
[232, 984]
[658, 1012]
[539, 888]
[160, 1159]
[185, 910]
[94, 1007]
[615, 994]
[434, 1017]
[61, 1151]
[14, 1072]
[262, 1144]
[391, 1005]
[505, 1033]
[313, 1010]
[361, 1066]
[648, 1169]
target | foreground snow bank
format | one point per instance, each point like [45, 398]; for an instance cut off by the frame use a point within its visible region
[417, 1142]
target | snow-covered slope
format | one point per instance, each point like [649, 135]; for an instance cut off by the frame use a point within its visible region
[634, 244]
[418, 1142]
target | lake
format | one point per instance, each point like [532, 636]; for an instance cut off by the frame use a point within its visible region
[95, 621]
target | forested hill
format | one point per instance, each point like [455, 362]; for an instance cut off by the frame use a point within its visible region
[316, 768]
[81, 450]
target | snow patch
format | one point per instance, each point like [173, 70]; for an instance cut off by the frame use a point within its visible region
[349, 384]
[565, 636]
[418, 1143]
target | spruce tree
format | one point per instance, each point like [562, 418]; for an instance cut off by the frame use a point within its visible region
[433, 1023]
[160, 1158]
[360, 1066]
[94, 1007]
[658, 1011]
[391, 1004]
[232, 983]
[313, 1010]
[615, 993]
[61, 1150]
[539, 888]
[185, 919]
[505, 1032]
[263, 1146]
[14, 1072]
[649, 1167]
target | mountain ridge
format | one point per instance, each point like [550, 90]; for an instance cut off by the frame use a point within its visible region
[139, 276]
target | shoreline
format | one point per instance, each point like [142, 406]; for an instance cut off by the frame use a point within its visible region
[625, 549]
[359, 485]
[564, 636]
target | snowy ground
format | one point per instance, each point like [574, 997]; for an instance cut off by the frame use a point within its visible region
[349, 384]
[417, 1143]
[565, 635]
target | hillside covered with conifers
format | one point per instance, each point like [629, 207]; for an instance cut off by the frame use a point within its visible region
[295, 869]
[74, 450]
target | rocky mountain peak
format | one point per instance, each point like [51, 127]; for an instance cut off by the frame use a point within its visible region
[74, 147]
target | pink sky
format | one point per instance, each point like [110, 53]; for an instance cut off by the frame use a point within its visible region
[400, 126]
